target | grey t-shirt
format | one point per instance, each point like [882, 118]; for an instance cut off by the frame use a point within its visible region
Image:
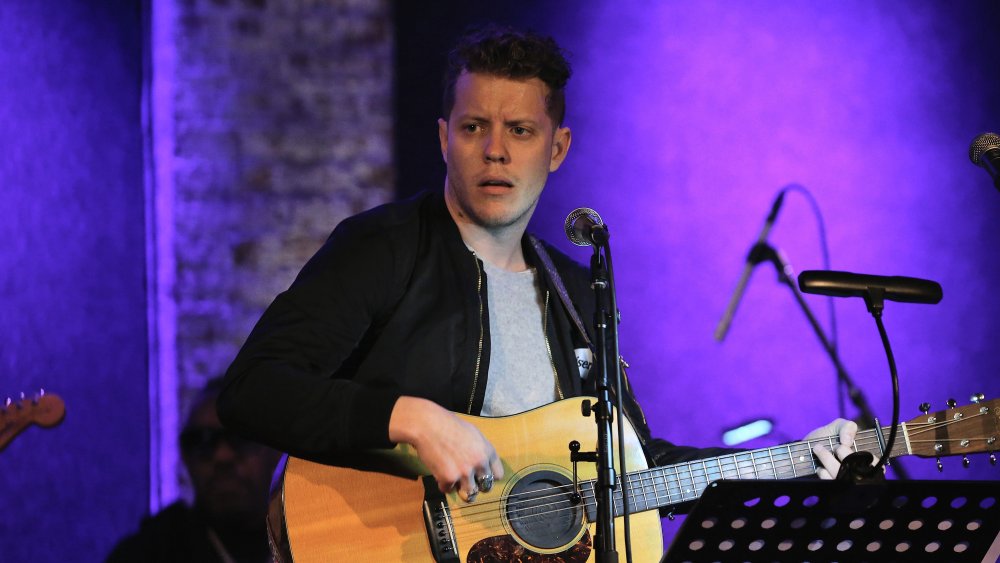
[521, 376]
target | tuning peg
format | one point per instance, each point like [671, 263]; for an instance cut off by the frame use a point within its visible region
[940, 466]
[952, 403]
[993, 458]
[925, 408]
[977, 397]
[965, 461]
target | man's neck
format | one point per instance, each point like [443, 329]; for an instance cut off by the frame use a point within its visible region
[500, 246]
[503, 250]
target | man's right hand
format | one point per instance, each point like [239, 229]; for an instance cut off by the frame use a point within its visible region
[454, 451]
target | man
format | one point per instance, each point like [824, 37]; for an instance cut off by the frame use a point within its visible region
[230, 477]
[438, 304]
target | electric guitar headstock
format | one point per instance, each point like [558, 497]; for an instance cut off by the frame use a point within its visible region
[43, 409]
[974, 428]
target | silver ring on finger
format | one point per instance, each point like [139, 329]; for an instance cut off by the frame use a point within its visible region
[485, 482]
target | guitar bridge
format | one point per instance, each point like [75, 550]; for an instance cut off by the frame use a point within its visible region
[437, 520]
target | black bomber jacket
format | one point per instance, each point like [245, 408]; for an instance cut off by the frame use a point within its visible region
[393, 304]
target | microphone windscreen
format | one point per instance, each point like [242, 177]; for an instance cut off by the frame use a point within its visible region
[575, 231]
[981, 145]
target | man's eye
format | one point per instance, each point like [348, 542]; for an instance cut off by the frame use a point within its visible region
[472, 127]
[519, 131]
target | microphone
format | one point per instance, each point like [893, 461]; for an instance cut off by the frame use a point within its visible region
[754, 257]
[846, 284]
[584, 227]
[985, 153]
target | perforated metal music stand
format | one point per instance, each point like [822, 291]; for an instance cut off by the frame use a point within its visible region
[835, 521]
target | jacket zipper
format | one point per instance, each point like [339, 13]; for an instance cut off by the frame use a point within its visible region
[548, 347]
[479, 353]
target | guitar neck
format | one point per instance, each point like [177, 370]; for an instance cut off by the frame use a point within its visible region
[669, 485]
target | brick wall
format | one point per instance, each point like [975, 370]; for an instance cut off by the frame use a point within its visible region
[282, 127]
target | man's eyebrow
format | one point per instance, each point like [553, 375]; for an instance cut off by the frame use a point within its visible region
[470, 117]
[520, 121]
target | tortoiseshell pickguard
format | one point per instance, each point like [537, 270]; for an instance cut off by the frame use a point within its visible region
[504, 549]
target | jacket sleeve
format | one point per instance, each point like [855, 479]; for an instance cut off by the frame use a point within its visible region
[291, 386]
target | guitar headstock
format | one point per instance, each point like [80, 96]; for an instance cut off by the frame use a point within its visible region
[43, 409]
[957, 430]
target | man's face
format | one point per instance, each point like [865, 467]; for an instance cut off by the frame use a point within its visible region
[499, 145]
[231, 476]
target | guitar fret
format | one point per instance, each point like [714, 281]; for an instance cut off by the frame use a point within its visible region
[761, 469]
[635, 490]
[692, 490]
[652, 487]
[642, 489]
[656, 487]
[675, 485]
[746, 459]
[718, 470]
[803, 456]
[698, 482]
[685, 489]
[783, 467]
[733, 473]
[791, 462]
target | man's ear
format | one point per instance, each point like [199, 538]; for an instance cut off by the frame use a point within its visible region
[443, 138]
[560, 146]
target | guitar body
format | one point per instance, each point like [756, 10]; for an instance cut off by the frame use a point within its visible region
[373, 510]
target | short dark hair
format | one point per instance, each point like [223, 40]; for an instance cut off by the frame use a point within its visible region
[508, 53]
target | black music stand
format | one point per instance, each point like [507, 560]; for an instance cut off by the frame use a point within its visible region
[837, 521]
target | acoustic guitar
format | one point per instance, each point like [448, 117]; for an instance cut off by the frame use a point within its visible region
[383, 507]
[42, 409]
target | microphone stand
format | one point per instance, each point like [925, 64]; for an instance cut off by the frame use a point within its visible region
[606, 329]
[764, 252]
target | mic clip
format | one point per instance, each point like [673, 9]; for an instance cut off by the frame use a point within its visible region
[764, 252]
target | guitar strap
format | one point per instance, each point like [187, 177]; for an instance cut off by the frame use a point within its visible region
[560, 288]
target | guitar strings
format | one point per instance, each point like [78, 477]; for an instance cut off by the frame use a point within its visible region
[744, 464]
[646, 481]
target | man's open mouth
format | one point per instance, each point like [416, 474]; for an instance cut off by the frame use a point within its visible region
[496, 182]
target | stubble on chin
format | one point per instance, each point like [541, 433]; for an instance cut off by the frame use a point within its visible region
[491, 213]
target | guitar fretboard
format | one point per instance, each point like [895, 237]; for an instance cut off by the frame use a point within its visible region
[668, 485]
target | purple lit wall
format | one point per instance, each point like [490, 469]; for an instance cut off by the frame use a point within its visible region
[72, 274]
[687, 119]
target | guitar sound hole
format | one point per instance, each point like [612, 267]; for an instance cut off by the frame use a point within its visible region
[540, 510]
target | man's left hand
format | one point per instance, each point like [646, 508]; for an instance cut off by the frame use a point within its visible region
[845, 430]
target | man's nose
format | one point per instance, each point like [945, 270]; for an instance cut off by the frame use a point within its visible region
[496, 147]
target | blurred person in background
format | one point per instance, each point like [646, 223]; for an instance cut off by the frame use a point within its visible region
[230, 477]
